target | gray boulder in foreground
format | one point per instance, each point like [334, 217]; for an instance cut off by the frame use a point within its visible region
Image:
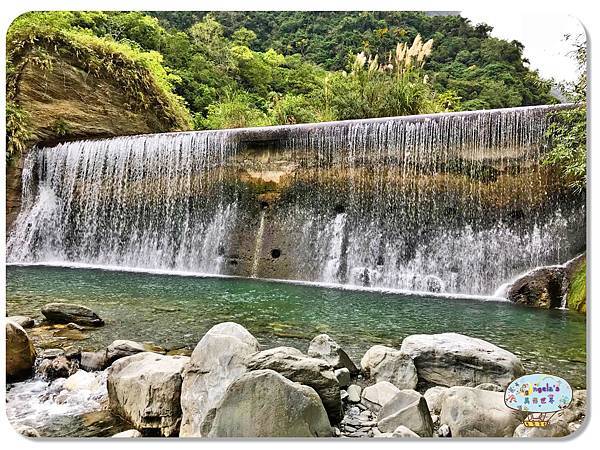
[452, 359]
[407, 408]
[20, 354]
[145, 390]
[377, 395]
[471, 412]
[67, 312]
[263, 403]
[387, 364]
[434, 396]
[313, 372]
[217, 361]
[324, 347]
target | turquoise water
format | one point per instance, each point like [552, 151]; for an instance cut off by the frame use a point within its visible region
[176, 311]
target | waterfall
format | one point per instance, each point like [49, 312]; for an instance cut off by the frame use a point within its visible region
[453, 202]
[259, 245]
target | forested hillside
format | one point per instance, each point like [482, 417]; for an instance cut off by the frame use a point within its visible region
[236, 69]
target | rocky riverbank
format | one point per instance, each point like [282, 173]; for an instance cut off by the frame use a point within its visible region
[442, 385]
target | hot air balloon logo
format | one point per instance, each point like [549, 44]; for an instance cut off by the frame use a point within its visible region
[540, 395]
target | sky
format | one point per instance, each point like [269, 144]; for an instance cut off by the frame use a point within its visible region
[542, 34]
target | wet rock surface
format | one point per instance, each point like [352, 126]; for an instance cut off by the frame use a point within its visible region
[68, 312]
[20, 353]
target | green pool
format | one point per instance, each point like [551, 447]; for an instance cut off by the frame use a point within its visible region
[175, 311]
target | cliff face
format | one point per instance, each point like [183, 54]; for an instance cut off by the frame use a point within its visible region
[64, 102]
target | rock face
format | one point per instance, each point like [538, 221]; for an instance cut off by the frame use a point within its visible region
[543, 287]
[388, 364]
[471, 412]
[433, 397]
[20, 354]
[65, 101]
[313, 372]
[452, 359]
[374, 397]
[407, 408]
[263, 403]
[145, 389]
[217, 361]
[122, 348]
[323, 347]
[66, 312]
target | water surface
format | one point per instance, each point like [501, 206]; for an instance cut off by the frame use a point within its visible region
[176, 311]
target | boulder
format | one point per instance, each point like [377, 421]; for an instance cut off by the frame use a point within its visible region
[407, 408]
[452, 359]
[471, 412]
[145, 390]
[374, 397]
[51, 353]
[93, 361]
[444, 431]
[313, 372]
[433, 397]
[543, 287]
[66, 312]
[58, 367]
[388, 364]
[354, 393]
[23, 321]
[325, 348]
[128, 434]
[263, 403]
[559, 428]
[20, 354]
[403, 432]
[122, 348]
[343, 377]
[217, 361]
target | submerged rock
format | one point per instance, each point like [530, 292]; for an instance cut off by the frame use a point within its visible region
[324, 347]
[387, 364]
[407, 408]
[471, 412]
[217, 361]
[313, 372]
[452, 359]
[263, 403]
[145, 389]
[67, 312]
[374, 397]
[20, 354]
[23, 321]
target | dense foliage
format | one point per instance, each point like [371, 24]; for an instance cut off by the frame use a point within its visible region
[238, 69]
[483, 71]
[568, 130]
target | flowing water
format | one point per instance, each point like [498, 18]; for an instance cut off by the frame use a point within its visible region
[175, 312]
[453, 203]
